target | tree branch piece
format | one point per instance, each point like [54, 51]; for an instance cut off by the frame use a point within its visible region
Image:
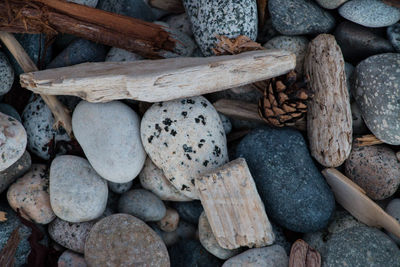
[367, 140]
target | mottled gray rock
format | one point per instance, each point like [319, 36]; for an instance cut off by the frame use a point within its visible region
[271, 256]
[10, 111]
[230, 18]
[77, 192]
[330, 4]
[191, 253]
[370, 13]
[361, 246]
[19, 168]
[6, 74]
[142, 204]
[133, 8]
[119, 188]
[71, 259]
[120, 55]
[184, 138]
[393, 34]
[180, 22]
[109, 135]
[376, 90]
[297, 17]
[91, 3]
[359, 126]
[226, 123]
[393, 209]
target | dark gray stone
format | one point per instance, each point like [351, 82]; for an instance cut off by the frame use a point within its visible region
[294, 192]
[376, 91]
[330, 4]
[359, 126]
[393, 34]
[15, 171]
[297, 17]
[6, 74]
[358, 42]
[361, 246]
[10, 111]
[189, 211]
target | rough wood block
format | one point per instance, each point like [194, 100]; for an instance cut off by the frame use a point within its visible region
[233, 207]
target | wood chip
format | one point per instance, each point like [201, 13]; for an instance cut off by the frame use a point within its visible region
[302, 255]
[7, 254]
[367, 140]
[234, 46]
[3, 217]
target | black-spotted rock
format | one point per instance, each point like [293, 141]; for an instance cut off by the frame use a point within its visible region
[189, 211]
[393, 34]
[184, 138]
[110, 137]
[19, 168]
[191, 253]
[297, 17]
[70, 235]
[230, 18]
[295, 194]
[77, 192]
[71, 259]
[361, 246]
[271, 256]
[376, 90]
[119, 188]
[393, 209]
[123, 240]
[6, 74]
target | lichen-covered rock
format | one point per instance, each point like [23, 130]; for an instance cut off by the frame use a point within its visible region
[19, 168]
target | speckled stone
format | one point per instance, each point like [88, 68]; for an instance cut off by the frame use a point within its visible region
[77, 192]
[358, 42]
[370, 13]
[361, 246]
[280, 238]
[142, 204]
[120, 55]
[393, 209]
[123, 240]
[184, 231]
[393, 34]
[295, 194]
[133, 8]
[230, 18]
[119, 188]
[170, 221]
[91, 3]
[71, 259]
[295, 44]
[180, 22]
[30, 195]
[331, 4]
[153, 179]
[19, 168]
[209, 242]
[375, 169]
[115, 126]
[271, 256]
[191, 253]
[189, 211]
[13, 141]
[10, 111]
[359, 126]
[6, 74]
[184, 138]
[226, 123]
[376, 90]
[297, 17]
[70, 235]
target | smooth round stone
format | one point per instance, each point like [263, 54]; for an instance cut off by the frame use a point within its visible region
[189, 211]
[358, 42]
[71, 259]
[376, 88]
[295, 44]
[10, 111]
[133, 8]
[6, 74]
[109, 135]
[331, 4]
[77, 192]
[359, 126]
[13, 140]
[180, 22]
[295, 194]
[170, 221]
[226, 123]
[393, 34]
[184, 231]
[191, 253]
[142, 204]
[370, 13]
[271, 256]
[375, 169]
[19, 168]
[393, 209]
[123, 240]
[91, 3]
[230, 18]
[70, 235]
[361, 246]
[185, 138]
[297, 17]
[30, 195]
[119, 188]
[120, 55]
[209, 242]
[152, 178]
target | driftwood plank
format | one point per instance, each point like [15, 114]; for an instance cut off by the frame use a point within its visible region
[159, 80]
[233, 207]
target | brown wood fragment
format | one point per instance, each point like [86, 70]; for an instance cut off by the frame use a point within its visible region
[262, 8]
[233, 207]
[329, 121]
[7, 254]
[302, 255]
[3, 216]
[367, 140]
[395, 3]
[173, 6]
[234, 46]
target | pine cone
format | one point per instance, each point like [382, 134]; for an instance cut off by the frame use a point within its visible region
[285, 99]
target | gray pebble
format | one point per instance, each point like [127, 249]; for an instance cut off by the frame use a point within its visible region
[226, 123]
[119, 188]
[331, 4]
[91, 3]
[6, 74]
[271, 256]
[181, 23]
[71, 259]
[393, 34]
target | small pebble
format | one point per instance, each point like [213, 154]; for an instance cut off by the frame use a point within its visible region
[119, 188]
[120, 55]
[30, 195]
[6, 74]
[77, 192]
[91, 3]
[10, 111]
[191, 253]
[184, 231]
[189, 211]
[71, 259]
[393, 34]
[18, 169]
[142, 204]
[181, 23]
[271, 256]
[331, 4]
[226, 123]
[170, 221]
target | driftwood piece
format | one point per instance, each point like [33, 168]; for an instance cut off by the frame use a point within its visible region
[159, 80]
[3, 216]
[302, 255]
[7, 253]
[355, 201]
[329, 121]
[367, 140]
[173, 6]
[233, 207]
[60, 112]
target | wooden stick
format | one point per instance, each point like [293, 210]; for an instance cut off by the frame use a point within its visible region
[367, 140]
[354, 200]
[60, 112]
[302, 255]
[173, 6]
[3, 216]
[159, 80]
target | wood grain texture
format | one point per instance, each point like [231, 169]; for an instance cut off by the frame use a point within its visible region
[367, 140]
[329, 121]
[302, 255]
[233, 207]
[159, 80]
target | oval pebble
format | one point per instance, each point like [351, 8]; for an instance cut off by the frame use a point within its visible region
[71, 259]
[330, 4]
[6, 74]
[77, 192]
[109, 136]
[170, 221]
[184, 138]
[136, 243]
[271, 256]
[119, 188]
